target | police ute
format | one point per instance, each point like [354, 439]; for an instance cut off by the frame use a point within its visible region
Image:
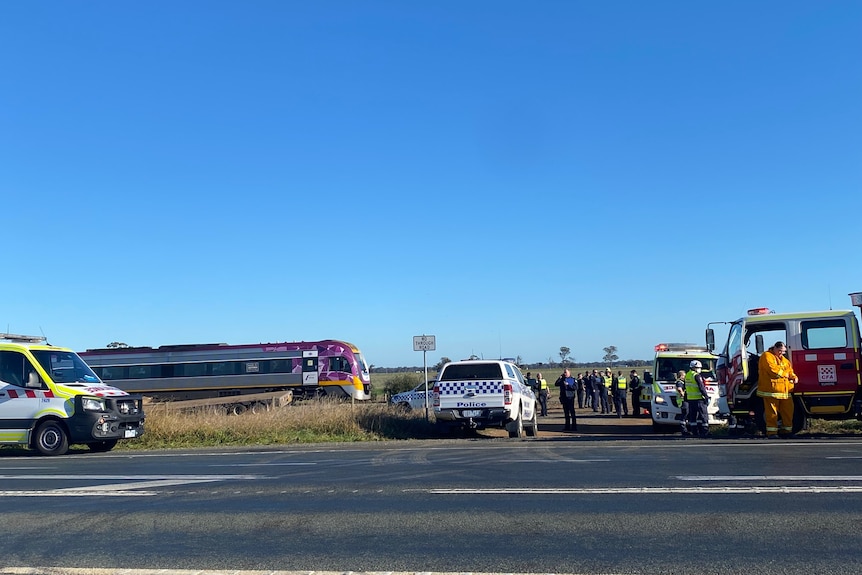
[50, 398]
[479, 394]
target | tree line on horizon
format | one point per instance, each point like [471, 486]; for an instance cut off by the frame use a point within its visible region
[609, 359]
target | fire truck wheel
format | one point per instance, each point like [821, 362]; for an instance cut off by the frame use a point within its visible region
[759, 419]
[800, 419]
[51, 438]
[102, 446]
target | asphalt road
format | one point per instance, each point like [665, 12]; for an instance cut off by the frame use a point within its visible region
[609, 501]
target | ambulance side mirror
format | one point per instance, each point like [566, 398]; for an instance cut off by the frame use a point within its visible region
[33, 380]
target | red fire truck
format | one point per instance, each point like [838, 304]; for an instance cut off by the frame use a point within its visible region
[824, 349]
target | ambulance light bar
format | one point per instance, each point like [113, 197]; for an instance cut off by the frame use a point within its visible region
[760, 311]
[677, 346]
[23, 338]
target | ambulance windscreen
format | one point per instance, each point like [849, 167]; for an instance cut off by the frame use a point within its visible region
[65, 367]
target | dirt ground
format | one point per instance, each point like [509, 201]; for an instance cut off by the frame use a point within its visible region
[589, 423]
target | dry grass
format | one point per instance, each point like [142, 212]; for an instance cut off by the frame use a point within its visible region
[304, 422]
[841, 427]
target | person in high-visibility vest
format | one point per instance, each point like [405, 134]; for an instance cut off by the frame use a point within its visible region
[775, 382]
[604, 391]
[680, 401]
[619, 388]
[543, 394]
[696, 399]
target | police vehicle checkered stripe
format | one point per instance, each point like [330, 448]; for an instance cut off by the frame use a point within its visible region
[408, 395]
[459, 387]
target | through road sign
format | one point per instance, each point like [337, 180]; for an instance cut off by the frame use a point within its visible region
[424, 343]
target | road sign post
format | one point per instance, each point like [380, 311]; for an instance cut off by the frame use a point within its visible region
[425, 343]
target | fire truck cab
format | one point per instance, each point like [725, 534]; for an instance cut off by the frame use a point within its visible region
[823, 347]
[665, 408]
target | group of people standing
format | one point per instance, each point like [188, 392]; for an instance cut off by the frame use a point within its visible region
[602, 392]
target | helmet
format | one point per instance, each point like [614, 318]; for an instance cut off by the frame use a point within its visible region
[695, 364]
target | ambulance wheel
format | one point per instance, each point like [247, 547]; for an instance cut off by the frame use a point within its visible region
[516, 428]
[51, 438]
[102, 446]
[659, 428]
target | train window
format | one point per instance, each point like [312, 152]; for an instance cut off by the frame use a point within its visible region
[280, 366]
[144, 371]
[109, 373]
[339, 364]
[190, 369]
[223, 368]
[824, 334]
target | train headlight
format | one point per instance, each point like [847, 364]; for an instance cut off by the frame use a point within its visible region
[93, 404]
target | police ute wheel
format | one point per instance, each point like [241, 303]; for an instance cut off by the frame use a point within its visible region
[51, 438]
[403, 407]
[516, 428]
[532, 428]
[102, 446]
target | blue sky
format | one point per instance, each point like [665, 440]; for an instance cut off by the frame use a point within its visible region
[508, 176]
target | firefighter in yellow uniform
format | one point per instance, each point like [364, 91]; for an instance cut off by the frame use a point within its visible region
[775, 381]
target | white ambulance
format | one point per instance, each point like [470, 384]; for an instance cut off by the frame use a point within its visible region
[50, 398]
[665, 409]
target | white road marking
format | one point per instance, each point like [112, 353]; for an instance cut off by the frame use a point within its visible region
[260, 464]
[651, 490]
[124, 571]
[132, 477]
[769, 477]
[64, 493]
[133, 486]
[597, 460]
